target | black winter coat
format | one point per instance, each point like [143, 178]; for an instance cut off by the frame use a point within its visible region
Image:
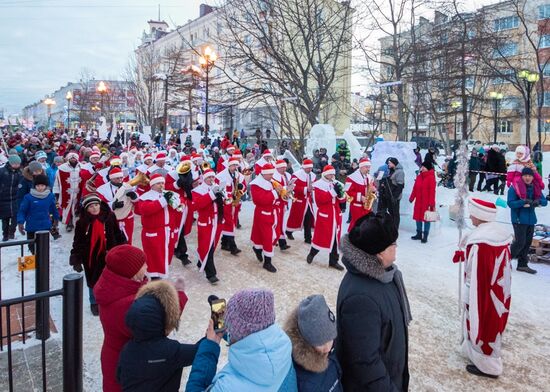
[10, 180]
[372, 342]
[80, 253]
[151, 361]
[495, 162]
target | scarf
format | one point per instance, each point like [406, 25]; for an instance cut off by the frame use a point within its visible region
[97, 239]
[521, 189]
[40, 195]
[393, 274]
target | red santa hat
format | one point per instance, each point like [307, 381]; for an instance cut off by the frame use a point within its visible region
[195, 157]
[116, 172]
[237, 154]
[280, 163]
[147, 156]
[208, 173]
[307, 164]
[156, 179]
[267, 153]
[161, 156]
[230, 147]
[185, 159]
[94, 154]
[364, 162]
[268, 168]
[234, 161]
[115, 161]
[96, 149]
[482, 210]
[72, 155]
[328, 169]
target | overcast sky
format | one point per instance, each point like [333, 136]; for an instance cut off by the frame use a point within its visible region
[44, 44]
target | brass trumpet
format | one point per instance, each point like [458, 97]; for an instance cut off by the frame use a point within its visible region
[139, 179]
[281, 191]
[205, 166]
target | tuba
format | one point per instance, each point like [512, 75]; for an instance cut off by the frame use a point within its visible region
[205, 166]
[183, 168]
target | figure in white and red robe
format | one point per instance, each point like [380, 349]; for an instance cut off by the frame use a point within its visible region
[153, 208]
[263, 235]
[197, 161]
[487, 289]
[327, 195]
[160, 166]
[233, 181]
[182, 181]
[301, 210]
[267, 157]
[143, 169]
[67, 189]
[208, 200]
[224, 159]
[283, 179]
[120, 200]
[87, 171]
[102, 177]
[357, 186]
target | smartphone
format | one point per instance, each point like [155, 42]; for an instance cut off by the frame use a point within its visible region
[217, 308]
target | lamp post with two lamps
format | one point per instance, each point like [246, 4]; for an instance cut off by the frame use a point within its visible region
[206, 62]
[102, 90]
[496, 97]
[529, 80]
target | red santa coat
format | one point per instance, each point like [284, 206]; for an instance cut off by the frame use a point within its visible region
[87, 170]
[186, 222]
[356, 187]
[221, 165]
[155, 232]
[486, 295]
[107, 193]
[258, 166]
[230, 211]
[67, 185]
[263, 234]
[328, 216]
[303, 200]
[208, 227]
[423, 194]
[281, 204]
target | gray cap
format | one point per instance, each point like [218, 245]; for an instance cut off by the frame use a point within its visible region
[35, 166]
[316, 322]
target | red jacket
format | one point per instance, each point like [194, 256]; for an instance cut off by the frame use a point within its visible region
[423, 194]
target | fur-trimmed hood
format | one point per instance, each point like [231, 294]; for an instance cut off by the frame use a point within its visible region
[28, 175]
[155, 312]
[303, 353]
[360, 262]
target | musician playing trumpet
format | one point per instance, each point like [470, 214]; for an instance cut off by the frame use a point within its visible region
[286, 186]
[359, 187]
[109, 193]
[327, 195]
[235, 187]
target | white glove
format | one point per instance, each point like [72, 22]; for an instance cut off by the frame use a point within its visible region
[215, 189]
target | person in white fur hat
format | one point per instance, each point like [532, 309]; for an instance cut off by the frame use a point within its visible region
[523, 159]
[486, 292]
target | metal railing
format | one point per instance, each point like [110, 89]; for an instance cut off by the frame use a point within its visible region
[72, 331]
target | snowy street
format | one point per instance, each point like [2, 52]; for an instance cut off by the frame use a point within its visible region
[435, 360]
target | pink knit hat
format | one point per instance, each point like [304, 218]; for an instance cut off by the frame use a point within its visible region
[249, 311]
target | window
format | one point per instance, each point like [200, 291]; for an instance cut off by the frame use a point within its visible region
[545, 69]
[387, 109]
[506, 50]
[546, 102]
[544, 11]
[504, 76]
[507, 23]
[510, 103]
[505, 126]
[469, 82]
[545, 41]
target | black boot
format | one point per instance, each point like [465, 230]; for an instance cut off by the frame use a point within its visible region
[282, 244]
[472, 369]
[289, 235]
[258, 253]
[69, 227]
[418, 235]
[94, 309]
[268, 266]
[312, 253]
[184, 260]
[333, 263]
[233, 246]
[213, 279]
[225, 243]
[424, 237]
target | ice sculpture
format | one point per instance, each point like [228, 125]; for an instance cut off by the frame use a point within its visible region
[321, 136]
[355, 149]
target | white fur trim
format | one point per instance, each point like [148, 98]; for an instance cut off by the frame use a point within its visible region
[157, 181]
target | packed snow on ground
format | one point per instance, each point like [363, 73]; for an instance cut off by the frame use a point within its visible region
[435, 360]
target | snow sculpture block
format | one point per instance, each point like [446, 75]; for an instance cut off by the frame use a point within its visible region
[355, 149]
[321, 136]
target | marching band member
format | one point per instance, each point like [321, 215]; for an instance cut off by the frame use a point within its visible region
[267, 157]
[263, 234]
[234, 183]
[107, 192]
[144, 169]
[87, 170]
[357, 187]
[67, 188]
[155, 234]
[208, 201]
[224, 159]
[327, 195]
[283, 178]
[301, 211]
[160, 166]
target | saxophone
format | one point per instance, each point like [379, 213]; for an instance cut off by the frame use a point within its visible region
[237, 193]
[370, 197]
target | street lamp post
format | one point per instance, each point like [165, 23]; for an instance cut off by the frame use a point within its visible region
[455, 105]
[49, 102]
[69, 98]
[496, 97]
[207, 61]
[192, 72]
[529, 80]
[102, 90]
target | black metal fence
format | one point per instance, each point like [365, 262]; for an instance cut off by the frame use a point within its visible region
[71, 294]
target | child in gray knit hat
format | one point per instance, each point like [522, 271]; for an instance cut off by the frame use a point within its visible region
[312, 330]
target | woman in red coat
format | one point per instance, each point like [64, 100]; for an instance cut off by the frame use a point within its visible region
[423, 195]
